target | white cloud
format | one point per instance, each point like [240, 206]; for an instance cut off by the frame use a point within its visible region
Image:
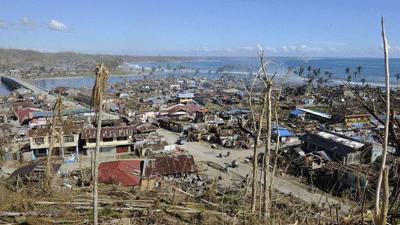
[390, 47]
[57, 25]
[234, 51]
[302, 48]
[333, 43]
[26, 22]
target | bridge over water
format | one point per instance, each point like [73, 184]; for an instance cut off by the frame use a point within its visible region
[14, 83]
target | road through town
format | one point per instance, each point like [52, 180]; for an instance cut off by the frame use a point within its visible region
[203, 152]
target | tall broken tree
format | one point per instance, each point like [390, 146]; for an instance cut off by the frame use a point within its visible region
[267, 81]
[97, 103]
[277, 127]
[256, 136]
[381, 209]
[56, 134]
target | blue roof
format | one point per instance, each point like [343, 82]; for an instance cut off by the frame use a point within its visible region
[66, 112]
[283, 132]
[358, 125]
[42, 113]
[296, 112]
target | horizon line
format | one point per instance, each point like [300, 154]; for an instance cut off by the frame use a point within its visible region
[191, 56]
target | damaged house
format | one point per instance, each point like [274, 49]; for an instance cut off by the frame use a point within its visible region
[65, 147]
[308, 114]
[115, 139]
[339, 147]
[144, 172]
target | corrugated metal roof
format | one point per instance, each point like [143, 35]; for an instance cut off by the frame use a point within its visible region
[66, 112]
[320, 114]
[185, 95]
[332, 142]
[170, 165]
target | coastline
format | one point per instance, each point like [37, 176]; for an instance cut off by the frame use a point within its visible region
[82, 76]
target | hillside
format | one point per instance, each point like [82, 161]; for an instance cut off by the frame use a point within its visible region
[39, 64]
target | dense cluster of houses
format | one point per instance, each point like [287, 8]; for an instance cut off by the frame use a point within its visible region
[216, 111]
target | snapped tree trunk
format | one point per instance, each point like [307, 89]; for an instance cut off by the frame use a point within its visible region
[98, 89]
[56, 124]
[255, 158]
[381, 210]
[49, 166]
[266, 205]
[95, 164]
[277, 146]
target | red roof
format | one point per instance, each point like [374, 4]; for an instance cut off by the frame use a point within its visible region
[192, 108]
[24, 114]
[124, 172]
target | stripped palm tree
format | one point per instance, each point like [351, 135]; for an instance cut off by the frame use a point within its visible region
[56, 132]
[301, 71]
[363, 81]
[97, 103]
[397, 77]
[349, 78]
[347, 70]
[359, 69]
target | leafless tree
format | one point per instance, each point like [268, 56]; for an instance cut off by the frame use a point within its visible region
[267, 80]
[97, 95]
[380, 214]
[257, 134]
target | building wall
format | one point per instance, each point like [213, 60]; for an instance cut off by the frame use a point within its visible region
[43, 142]
[113, 143]
[185, 100]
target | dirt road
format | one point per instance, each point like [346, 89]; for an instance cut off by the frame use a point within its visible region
[203, 152]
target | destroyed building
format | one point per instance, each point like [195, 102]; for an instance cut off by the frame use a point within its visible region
[40, 140]
[115, 139]
[339, 147]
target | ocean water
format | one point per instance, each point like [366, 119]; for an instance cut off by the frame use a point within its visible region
[3, 90]
[372, 70]
[79, 82]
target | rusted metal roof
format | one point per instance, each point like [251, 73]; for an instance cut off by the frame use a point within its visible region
[170, 165]
[68, 128]
[145, 128]
[36, 167]
[191, 108]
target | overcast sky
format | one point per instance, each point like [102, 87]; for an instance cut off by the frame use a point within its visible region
[339, 28]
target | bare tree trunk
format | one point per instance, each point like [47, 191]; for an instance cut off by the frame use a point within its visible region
[381, 212]
[255, 158]
[277, 146]
[49, 166]
[56, 124]
[96, 161]
[260, 186]
[98, 89]
[266, 207]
